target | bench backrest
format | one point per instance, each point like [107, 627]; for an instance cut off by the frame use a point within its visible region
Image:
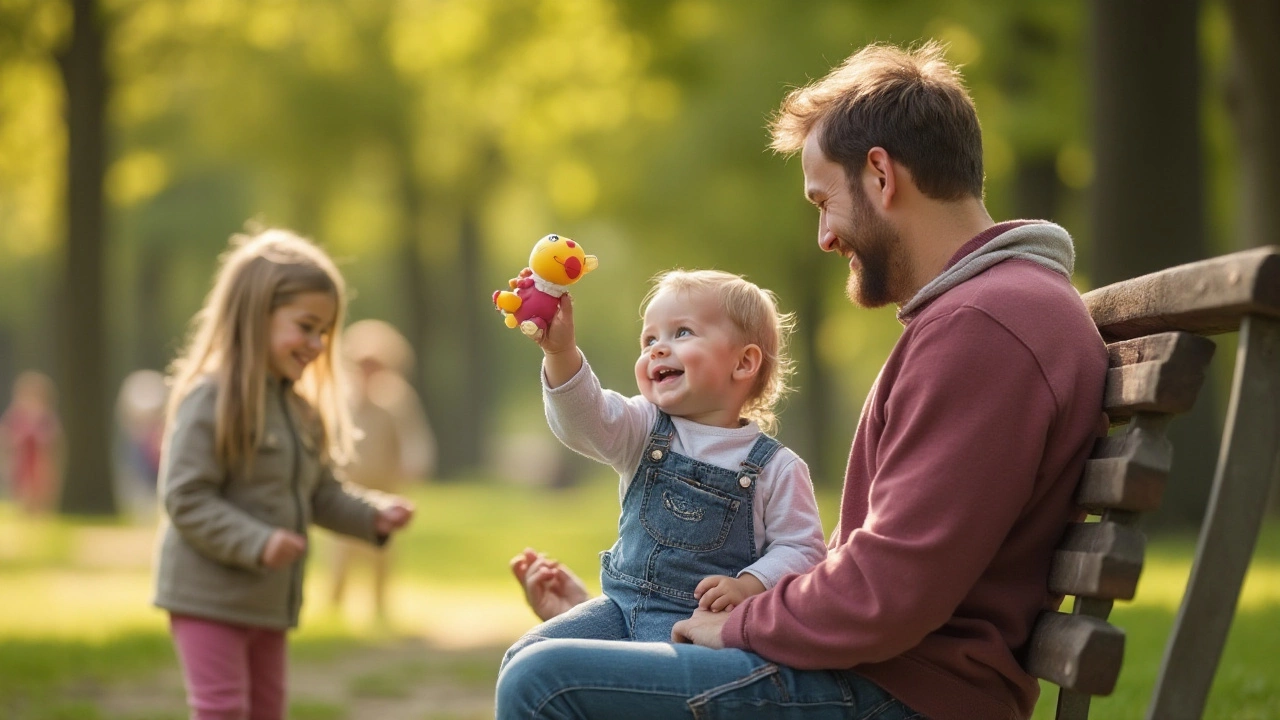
[1155, 326]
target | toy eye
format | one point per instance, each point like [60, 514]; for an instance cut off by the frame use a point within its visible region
[553, 238]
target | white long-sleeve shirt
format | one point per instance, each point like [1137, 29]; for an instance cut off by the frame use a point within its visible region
[614, 429]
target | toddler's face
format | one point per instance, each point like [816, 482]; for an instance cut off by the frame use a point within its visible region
[688, 352]
[299, 331]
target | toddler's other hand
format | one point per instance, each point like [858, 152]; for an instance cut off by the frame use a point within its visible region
[719, 592]
[549, 587]
[283, 548]
[393, 517]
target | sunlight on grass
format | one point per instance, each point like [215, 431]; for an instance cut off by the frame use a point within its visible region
[78, 604]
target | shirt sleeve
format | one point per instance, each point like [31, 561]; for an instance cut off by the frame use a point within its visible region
[601, 424]
[192, 488]
[793, 539]
[964, 428]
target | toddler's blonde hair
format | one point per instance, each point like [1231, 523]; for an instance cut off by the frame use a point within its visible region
[230, 340]
[753, 310]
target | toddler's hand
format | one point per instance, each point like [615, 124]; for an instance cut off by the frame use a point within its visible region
[719, 592]
[393, 517]
[283, 548]
[558, 339]
[549, 587]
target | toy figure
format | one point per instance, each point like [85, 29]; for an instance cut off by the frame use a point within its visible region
[557, 262]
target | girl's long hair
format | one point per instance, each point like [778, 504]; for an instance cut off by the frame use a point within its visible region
[230, 341]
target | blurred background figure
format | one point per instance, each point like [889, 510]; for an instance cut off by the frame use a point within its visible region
[31, 443]
[398, 446]
[139, 430]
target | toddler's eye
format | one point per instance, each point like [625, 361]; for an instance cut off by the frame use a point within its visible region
[683, 332]
[647, 341]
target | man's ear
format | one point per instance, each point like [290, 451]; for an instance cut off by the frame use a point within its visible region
[882, 174]
[749, 361]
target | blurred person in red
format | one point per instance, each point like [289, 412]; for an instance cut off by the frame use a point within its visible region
[397, 445]
[31, 440]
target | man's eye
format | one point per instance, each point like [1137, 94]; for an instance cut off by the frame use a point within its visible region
[306, 328]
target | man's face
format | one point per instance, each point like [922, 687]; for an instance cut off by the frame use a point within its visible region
[849, 225]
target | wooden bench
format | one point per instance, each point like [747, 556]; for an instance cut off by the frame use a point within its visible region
[1155, 327]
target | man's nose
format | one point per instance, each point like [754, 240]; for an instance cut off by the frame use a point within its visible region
[827, 240]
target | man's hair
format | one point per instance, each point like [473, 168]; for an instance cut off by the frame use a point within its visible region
[754, 313]
[911, 102]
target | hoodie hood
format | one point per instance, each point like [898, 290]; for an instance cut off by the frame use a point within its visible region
[1043, 243]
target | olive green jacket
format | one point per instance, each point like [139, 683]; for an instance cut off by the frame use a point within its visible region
[217, 520]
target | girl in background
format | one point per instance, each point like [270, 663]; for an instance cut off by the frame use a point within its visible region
[257, 423]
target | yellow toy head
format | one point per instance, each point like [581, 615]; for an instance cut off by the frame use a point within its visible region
[560, 260]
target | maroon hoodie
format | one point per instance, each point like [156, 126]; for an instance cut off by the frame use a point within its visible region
[959, 485]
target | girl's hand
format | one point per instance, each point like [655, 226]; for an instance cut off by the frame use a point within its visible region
[283, 548]
[393, 517]
[719, 592]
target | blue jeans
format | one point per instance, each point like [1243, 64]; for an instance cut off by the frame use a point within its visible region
[596, 619]
[628, 680]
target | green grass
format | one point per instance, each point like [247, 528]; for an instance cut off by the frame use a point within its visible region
[78, 633]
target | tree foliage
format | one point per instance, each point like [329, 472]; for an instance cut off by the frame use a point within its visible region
[429, 143]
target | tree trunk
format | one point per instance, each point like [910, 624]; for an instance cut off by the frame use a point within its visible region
[1253, 97]
[87, 485]
[473, 408]
[1148, 193]
[1036, 187]
[811, 437]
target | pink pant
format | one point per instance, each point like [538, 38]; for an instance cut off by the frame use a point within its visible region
[232, 672]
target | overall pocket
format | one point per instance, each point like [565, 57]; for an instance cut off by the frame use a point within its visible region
[682, 513]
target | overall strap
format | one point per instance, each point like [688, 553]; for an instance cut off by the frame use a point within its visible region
[659, 438]
[760, 455]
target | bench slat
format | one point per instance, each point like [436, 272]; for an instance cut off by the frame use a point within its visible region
[1098, 560]
[1128, 471]
[1206, 297]
[1160, 373]
[1077, 652]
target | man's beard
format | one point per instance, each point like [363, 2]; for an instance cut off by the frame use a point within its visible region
[882, 269]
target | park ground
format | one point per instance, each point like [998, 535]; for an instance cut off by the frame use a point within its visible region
[79, 639]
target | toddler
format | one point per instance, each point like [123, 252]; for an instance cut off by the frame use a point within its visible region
[714, 510]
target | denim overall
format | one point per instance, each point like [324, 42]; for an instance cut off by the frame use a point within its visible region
[682, 520]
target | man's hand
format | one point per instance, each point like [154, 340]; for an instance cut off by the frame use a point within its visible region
[549, 587]
[720, 592]
[282, 548]
[701, 629]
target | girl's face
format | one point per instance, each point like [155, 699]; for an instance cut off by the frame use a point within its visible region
[299, 331]
[690, 359]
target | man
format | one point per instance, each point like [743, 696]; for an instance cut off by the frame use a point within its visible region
[962, 470]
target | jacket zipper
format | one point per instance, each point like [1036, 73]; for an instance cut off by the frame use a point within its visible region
[295, 571]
